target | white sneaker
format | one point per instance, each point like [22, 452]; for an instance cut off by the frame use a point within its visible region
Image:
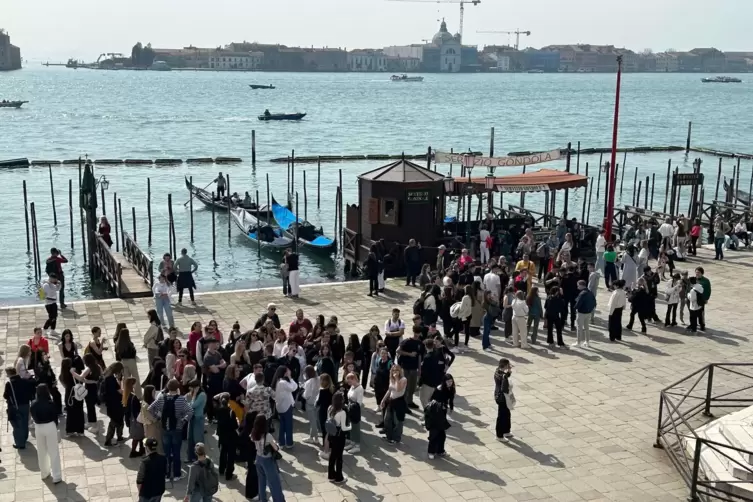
[431, 456]
[586, 346]
[311, 441]
[508, 436]
[354, 450]
[576, 344]
[324, 455]
[487, 349]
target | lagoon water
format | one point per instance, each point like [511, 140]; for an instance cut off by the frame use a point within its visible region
[124, 114]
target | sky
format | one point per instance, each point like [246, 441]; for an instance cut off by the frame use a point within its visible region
[57, 30]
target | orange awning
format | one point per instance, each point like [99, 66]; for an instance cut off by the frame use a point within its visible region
[535, 181]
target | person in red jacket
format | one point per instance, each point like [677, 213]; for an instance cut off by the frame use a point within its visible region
[39, 342]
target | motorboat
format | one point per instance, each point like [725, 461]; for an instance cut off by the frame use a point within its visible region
[721, 80]
[259, 232]
[536, 70]
[405, 78]
[258, 86]
[308, 235]
[11, 104]
[281, 116]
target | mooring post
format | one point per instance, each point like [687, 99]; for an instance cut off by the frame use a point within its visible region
[102, 198]
[133, 217]
[687, 141]
[229, 207]
[598, 180]
[318, 182]
[214, 234]
[253, 147]
[622, 176]
[115, 216]
[666, 184]
[734, 193]
[635, 184]
[170, 224]
[37, 271]
[122, 228]
[653, 185]
[292, 178]
[718, 179]
[287, 190]
[590, 193]
[750, 187]
[645, 198]
[522, 196]
[491, 144]
[149, 211]
[676, 210]
[26, 217]
[269, 201]
[296, 222]
[70, 208]
[577, 160]
[305, 200]
[190, 209]
[567, 190]
[428, 158]
[340, 206]
[258, 244]
[52, 195]
[583, 212]
[638, 195]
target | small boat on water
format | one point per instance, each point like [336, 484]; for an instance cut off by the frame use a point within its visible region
[740, 196]
[11, 104]
[259, 86]
[281, 116]
[536, 70]
[308, 235]
[721, 80]
[405, 78]
[259, 232]
[205, 197]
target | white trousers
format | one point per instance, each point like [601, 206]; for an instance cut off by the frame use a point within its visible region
[483, 254]
[295, 282]
[380, 280]
[48, 453]
[519, 332]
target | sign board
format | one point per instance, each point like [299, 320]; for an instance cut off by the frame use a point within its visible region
[685, 179]
[373, 211]
[522, 188]
[417, 196]
[516, 160]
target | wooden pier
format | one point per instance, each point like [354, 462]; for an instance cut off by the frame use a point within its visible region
[128, 274]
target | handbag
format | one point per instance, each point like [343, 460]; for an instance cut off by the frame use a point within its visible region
[80, 391]
[12, 408]
[268, 450]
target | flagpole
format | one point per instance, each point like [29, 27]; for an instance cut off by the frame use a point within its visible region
[612, 184]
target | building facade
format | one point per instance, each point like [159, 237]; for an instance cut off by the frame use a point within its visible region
[223, 60]
[544, 60]
[10, 55]
[367, 60]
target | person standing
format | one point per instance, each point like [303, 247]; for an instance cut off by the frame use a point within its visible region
[617, 304]
[173, 411]
[227, 438]
[601, 247]
[491, 313]
[113, 401]
[153, 337]
[221, 184]
[162, 306]
[672, 294]
[46, 419]
[704, 282]
[51, 287]
[610, 266]
[337, 426]
[433, 368]
[585, 305]
[150, 479]
[125, 352]
[284, 386]
[394, 328]
[55, 266]
[203, 480]
[186, 266]
[266, 465]
[484, 240]
[519, 320]
[198, 400]
[505, 399]
[629, 267]
[294, 275]
[18, 394]
[535, 312]
[435, 420]
[167, 268]
[354, 409]
[695, 234]
[409, 353]
[694, 295]
[74, 407]
[104, 231]
[412, 258]
[720, 232]
[640, 304]
[394, 406]
[372, 269]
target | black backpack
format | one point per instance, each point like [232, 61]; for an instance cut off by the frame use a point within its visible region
[418, 306]
[169, 418]
[51, 267]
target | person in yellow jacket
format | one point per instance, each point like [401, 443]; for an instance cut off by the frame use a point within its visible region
[527, 264]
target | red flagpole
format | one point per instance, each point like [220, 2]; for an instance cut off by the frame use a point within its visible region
[612, 184]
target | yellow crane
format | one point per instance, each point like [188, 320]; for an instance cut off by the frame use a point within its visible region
[517, 34]
[462, 8]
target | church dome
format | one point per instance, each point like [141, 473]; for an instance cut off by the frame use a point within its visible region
[443, 36]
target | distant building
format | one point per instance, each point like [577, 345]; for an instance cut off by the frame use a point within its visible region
[544, 60]
[667, 62]
[444, 54]
[10, 55]
[226, 60]
[402, 65]
[325, 59]
[711, 60]
[688, 62]
[739, 61]
[367, 60]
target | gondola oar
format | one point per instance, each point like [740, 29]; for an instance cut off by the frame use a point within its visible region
[193, 192]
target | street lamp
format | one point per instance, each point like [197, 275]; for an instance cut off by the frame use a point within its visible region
[489, 181]
[468, 161]
[449, 184]
[103, 182]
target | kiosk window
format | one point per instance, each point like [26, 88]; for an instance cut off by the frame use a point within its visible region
[388, 212]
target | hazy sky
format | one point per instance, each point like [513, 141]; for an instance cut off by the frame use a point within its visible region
[58, 29]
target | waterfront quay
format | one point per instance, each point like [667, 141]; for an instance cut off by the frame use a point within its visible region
[585, 421]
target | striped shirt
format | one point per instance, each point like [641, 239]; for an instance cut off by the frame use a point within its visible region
[183, 410]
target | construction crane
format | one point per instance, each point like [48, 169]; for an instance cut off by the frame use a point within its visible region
[462, 8]
[517, 34]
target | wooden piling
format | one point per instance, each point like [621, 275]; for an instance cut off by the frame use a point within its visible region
[292, 178]
[687, 141]
[734, 192]
[287, 189]
[598, 180]
[635, 184]
[258, 244]
[522, 195]
[70, 208]
[583, 212]
[340, 206]
[555, 220]
[645, 198]
[676, 210]
[491, 144]
[546, 222]
[318, 183]
[214, 233]
[428, 158]
[26, 217]
[133, 218]
[653, 185]
[253, 147]
[229, 208]
[102, 198]
[149, 211]
[305, 199]
[295, 242]
[577, 160]
[37, 268]
[638, 195]
[190, 209]
[666, 185]
[269, 201]
[750, 186]
[52, 195]
[622, 176]
[115, 216]
[120, 220]
[170, 224]
[567, 190]
[718, 179]
[607, 169]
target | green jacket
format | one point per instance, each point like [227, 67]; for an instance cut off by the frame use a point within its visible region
[706, 284]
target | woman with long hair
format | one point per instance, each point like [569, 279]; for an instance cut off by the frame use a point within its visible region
[323, 402]
[46, 419]
[96, 347]
[153, 336]
[132, 408]
[197, 398]
[337, 413]
[114, 402]
[157, 376]
[74, 418]
[23, 359]
[395, 406]
[535, 312]
[172, 358]
[231, 386]
[284, 386]
[92, 374]
[227, 436]
[266, 465]
[152, 425]
[368, 347]
[325, 363]
[69, 349]
[504, 398]
[125, 352]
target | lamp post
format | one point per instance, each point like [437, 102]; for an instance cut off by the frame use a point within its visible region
[612, 184]
[468, 163]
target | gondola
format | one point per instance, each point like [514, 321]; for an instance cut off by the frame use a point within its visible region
[308, 235]
[12, 104]
[205, 198]
[262, 234]
[741, 196]
[282, 116]
[258, 86]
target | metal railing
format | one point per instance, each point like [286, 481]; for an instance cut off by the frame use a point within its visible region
[142, 262]
[106, 266]
[686, 406]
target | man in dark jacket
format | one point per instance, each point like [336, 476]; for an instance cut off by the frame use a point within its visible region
[412, 256]
[555, 311]
[569, 286]
[432, 372]
[585, 304]
[652, 286]
[152, 472]
[271, 314]
[18, 394]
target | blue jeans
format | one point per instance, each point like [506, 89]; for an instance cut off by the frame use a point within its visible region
[488, 323]
[21, 426]
[719, 248]
[600, 261]
[285, 437]
[269, 476]
[171, 441]
[195, 435]
[161, 304]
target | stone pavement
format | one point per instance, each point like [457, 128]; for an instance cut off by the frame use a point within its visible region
[585, 419]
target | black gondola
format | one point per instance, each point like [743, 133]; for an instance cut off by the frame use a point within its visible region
[205, 198]
[258, 86]
[741, 196]
[281, 116]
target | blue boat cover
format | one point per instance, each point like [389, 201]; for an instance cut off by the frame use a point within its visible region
[321, 242]
[284, 216]
[450, 219]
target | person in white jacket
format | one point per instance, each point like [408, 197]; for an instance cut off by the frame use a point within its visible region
[310, 393]
[519, 319]
[673, 299]
[464, 313]
[284, 386]
[617, 304]
[696, 291]
[601, 247]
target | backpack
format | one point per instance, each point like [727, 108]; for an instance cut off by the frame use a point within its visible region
[51, 267]
[211, 479]
[354, 412]
[455, 310]
[169, 418]
[418, 306]
[330, 427]
[160, 335]
[700, 299]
